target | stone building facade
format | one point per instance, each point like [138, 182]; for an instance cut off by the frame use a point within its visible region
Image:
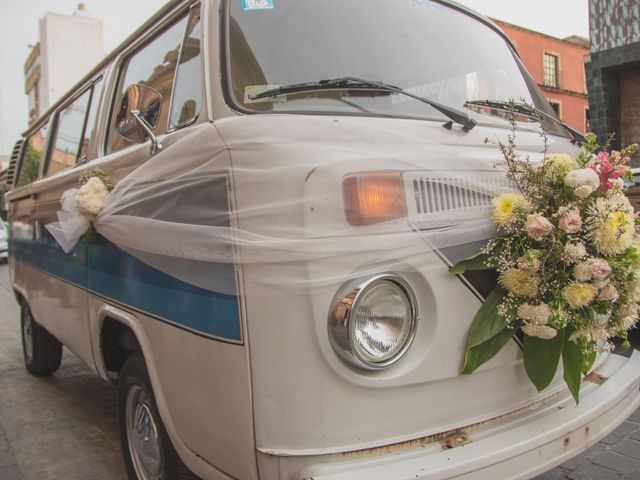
[613, 72]
[68, 46]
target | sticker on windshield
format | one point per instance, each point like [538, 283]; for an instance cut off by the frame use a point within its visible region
[257, 5]
[427, 3]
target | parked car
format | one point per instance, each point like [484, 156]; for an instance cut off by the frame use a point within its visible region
[267, 283]
[4, 242]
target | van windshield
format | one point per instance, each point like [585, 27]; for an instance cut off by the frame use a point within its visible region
[422, 46]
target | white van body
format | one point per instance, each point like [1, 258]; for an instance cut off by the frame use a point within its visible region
[247, 384]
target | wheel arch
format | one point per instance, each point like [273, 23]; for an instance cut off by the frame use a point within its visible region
[112, 320]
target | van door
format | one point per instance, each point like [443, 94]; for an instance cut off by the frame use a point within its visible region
[61, 305]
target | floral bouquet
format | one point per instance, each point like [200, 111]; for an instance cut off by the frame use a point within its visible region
[79, 209]
[568, 263]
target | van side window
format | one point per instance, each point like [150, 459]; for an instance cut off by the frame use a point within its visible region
[32, 156]
[90, 129]
[187, 92]
[68, 134]
[154, 66]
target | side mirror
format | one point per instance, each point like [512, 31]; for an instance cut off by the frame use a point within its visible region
[138, 115]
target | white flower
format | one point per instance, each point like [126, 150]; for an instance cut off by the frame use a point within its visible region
[541, 331]
[538, 314]
[583, 191]
[584, 181]
[592, 269]
[582, 272]
[581, 177]
[590, 333]
[574, 252]
[628, 316]
[91, 196]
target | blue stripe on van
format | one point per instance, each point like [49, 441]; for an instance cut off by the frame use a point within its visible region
[115, 274]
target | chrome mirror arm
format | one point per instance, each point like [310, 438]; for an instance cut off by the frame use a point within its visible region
[155, 145]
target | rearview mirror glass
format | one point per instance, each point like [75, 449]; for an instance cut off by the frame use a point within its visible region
[145, 102]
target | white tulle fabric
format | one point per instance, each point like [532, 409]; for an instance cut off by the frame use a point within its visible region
[71, 224]
[268, 198]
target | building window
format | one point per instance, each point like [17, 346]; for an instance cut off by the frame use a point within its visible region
[556, 108]
[551, 77]
[587, 121]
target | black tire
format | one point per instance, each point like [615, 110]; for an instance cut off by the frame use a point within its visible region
[42, 352]
[151, 455]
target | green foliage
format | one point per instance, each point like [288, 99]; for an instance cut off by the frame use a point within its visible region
[30, 166]
[541, 358]
[477, 355]
[573, 365]
[479, 261]
[489, 332]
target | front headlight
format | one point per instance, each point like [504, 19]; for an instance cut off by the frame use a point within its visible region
[372, 322]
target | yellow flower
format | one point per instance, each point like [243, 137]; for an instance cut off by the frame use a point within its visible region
[506, 207]
[613, 234]
[519, 283]
[557, 163]
[579, 295]
[611, 224]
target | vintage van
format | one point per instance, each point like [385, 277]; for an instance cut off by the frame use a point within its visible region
[267, 283]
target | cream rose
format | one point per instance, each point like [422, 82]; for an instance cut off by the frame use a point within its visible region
[600, 269]
[537, 226]
[91, 196]
[608, 293]
[571, 222]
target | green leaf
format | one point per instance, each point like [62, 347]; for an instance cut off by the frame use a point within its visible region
[487, 323]
[475, 262]
[541, 358]
[572, 363]
[587, 363]
[479, 354]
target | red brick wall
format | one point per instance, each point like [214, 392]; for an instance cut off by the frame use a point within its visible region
[571, 92]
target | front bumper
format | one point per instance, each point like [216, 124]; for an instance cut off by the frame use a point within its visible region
[516, 446]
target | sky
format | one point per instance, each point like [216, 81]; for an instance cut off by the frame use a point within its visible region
[19, 29]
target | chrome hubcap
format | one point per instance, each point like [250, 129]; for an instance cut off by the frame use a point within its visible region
[142, 434]
[27, 336]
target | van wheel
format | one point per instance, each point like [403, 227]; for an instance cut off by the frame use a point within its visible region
[148, 452]
[42, 351]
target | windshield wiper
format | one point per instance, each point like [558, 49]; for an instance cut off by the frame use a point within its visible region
[351, 83]
[529, 110]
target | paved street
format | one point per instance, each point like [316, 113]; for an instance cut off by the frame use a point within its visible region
[64, 427]
[61, 427]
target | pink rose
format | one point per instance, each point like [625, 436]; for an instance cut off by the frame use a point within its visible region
[571, 221]
[528, 265]
[537, 226]
[627, 311]
[608, 294]
[599, 268]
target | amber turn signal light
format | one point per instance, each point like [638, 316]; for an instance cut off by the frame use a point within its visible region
[373, 198]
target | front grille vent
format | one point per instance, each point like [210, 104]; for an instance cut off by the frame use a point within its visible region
[11, 173]
[440, 194]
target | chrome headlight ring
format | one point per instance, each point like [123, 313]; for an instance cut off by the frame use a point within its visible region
[344, 322]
